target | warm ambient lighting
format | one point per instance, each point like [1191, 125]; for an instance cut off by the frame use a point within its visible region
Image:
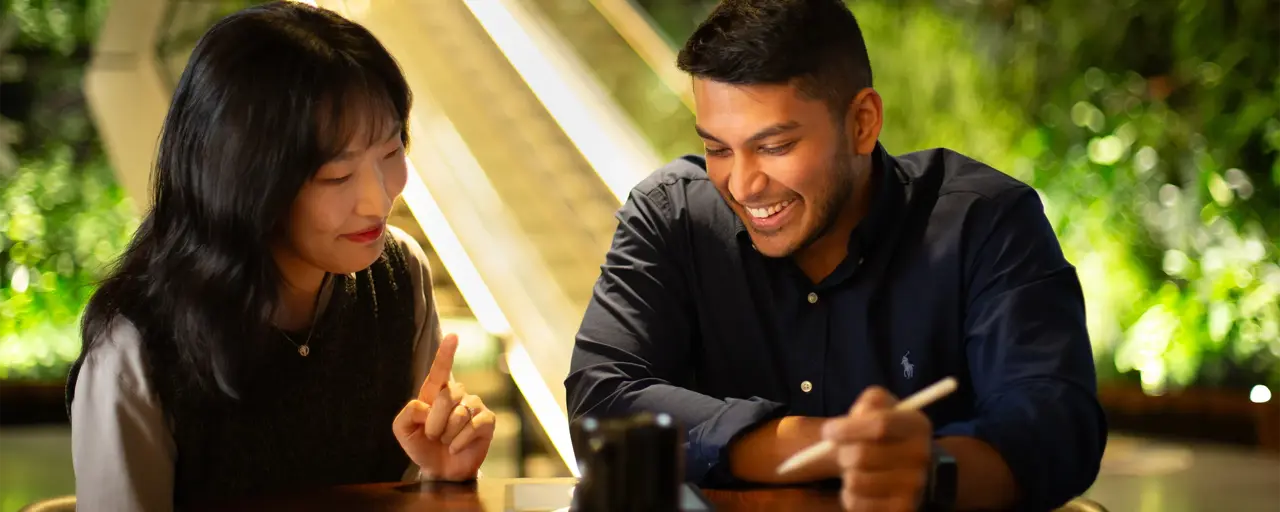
[454, 257]
[621, 159]
[453, 153]
[638, 31]
[483, 304]
[543, 404]
[1260, 394]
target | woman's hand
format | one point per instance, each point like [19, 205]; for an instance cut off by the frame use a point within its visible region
[445, 431]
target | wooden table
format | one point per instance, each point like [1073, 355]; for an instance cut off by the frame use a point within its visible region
[490, 495]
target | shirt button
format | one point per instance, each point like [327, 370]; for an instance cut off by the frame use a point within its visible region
[813, 298]
[806, 386]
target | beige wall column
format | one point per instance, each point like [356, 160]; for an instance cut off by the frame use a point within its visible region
[126, 94]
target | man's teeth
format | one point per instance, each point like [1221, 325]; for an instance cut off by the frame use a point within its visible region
[767, 211]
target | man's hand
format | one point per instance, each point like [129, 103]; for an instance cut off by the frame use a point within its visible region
[883, 454]
[446, 432]
[755, 456]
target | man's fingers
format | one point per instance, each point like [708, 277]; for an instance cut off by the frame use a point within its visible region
[882, 484]
[872, 399]
[882, 453]
[441, 368]
[877, 426]
[479, 430]
[881, 456]
[410, 419]
[442, 406]
[855, 503]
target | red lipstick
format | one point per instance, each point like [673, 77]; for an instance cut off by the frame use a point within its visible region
[366, 236]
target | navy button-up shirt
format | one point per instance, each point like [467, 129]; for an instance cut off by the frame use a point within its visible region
[954, 271]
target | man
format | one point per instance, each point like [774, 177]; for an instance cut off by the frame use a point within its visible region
[806, 274]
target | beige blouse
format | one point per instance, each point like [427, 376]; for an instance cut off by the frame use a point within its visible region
[120, 441]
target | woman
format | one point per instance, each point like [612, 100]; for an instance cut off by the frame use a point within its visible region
[265, 328]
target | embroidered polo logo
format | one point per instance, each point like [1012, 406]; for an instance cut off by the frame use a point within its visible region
[908, 369]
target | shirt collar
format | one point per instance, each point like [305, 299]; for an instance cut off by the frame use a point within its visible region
[885, 202]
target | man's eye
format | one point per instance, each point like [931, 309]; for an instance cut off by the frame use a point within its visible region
[779, 149]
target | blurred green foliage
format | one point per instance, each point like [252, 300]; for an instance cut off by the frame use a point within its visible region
[1151, 130]
[63, 219]
[1158, 148]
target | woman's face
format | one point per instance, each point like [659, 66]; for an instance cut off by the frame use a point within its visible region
[339, 218]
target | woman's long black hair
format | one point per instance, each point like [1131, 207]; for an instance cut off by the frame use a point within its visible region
[268, 96]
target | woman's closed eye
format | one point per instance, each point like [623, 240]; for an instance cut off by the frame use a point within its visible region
[336, 181]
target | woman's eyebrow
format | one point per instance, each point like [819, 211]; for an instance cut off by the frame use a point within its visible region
[348, 154]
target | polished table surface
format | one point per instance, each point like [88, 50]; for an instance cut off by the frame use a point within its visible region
[490, 495]
[1137, 475]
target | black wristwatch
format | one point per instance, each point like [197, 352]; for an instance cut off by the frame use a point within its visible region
[940, 491]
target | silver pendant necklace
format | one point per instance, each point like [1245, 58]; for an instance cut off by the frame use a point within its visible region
[305, 348]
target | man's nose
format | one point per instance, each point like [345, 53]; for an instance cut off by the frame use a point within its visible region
[746, 181]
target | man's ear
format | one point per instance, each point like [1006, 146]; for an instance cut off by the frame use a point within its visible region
[863, 120]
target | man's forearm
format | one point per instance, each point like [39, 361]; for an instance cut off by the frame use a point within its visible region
[984, 481]
[755, 456]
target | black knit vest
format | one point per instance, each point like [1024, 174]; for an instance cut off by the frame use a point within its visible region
[302, 422]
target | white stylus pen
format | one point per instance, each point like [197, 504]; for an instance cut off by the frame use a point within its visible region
[922, 398]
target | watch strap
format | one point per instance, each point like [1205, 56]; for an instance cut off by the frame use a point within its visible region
[940, 489]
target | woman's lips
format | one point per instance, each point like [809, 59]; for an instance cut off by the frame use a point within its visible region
[366, 236]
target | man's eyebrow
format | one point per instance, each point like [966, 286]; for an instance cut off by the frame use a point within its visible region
[706, 135]
[776, 129]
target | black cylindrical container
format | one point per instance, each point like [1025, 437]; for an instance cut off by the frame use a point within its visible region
[630, 464]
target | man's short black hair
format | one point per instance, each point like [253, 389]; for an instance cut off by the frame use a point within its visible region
[814, 44]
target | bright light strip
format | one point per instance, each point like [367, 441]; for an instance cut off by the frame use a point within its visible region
[544, 405]
[481, 300]
[447, 150]
[638, 31]
[619, 165]
[454, 257]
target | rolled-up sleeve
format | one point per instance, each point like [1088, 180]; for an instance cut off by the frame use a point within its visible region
[1030, 357]
[633, 350]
